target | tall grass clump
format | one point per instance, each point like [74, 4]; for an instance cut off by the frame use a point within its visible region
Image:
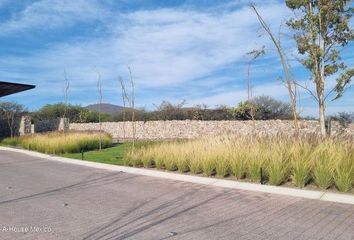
[60, 142]
[221, 158]
[147, 158]
[324, 157]
[344, 171]
[325, 162]
[208, 165]
[301, 163]
[255, 159]
[277, 165]
[134, 158]
[183, 159]
[237, 160]
[195, 164]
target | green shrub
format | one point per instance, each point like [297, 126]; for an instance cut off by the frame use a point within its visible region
[10, 141]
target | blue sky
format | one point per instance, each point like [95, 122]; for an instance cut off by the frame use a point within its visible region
[192, 50]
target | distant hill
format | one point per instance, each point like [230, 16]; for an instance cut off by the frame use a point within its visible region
[105, 108]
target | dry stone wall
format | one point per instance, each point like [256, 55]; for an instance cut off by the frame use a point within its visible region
[58, 124]
[187, 129]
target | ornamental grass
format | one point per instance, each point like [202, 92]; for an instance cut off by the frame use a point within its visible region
[325, 162]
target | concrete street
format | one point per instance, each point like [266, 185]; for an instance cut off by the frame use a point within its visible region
[44, 199]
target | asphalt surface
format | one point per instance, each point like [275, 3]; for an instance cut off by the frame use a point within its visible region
[44, 199]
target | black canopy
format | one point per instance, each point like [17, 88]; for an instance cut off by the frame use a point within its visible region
[7, 88]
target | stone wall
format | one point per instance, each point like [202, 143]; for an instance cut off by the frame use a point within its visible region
[25, 125]
[58, 124]
[193, 129]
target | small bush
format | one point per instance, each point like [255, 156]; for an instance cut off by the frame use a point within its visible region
[10, 141]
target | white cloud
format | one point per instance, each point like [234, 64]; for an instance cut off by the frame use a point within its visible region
[163, 46]
[183, 50]
[49, 14]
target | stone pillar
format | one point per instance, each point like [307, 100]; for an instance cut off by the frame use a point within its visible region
[64, 124]
[25, 125]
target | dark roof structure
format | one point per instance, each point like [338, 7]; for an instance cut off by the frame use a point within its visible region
[7, 88]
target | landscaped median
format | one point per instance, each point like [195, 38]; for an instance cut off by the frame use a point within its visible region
[299, 164]
[309, 194]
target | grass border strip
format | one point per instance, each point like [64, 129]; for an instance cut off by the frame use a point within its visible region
[308, 194]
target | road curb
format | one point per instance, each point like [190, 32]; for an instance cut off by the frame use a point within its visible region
[308, 194]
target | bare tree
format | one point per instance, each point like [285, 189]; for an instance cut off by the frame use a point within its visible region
[66, 97]
[11, 111]
[254, 55]
[124, 97]
[132, 106]
[289, 78]
[99, 90]
[131, 102]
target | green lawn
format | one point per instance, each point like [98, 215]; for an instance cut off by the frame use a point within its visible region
[113, 155]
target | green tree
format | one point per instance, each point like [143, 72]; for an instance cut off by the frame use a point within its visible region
[264, 107]
[321, 29]
[75, 113]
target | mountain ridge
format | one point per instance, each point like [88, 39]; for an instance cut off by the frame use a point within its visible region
[105, 108]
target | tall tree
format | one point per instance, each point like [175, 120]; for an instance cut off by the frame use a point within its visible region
[321, 30]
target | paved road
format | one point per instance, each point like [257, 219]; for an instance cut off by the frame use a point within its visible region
[55, 200]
